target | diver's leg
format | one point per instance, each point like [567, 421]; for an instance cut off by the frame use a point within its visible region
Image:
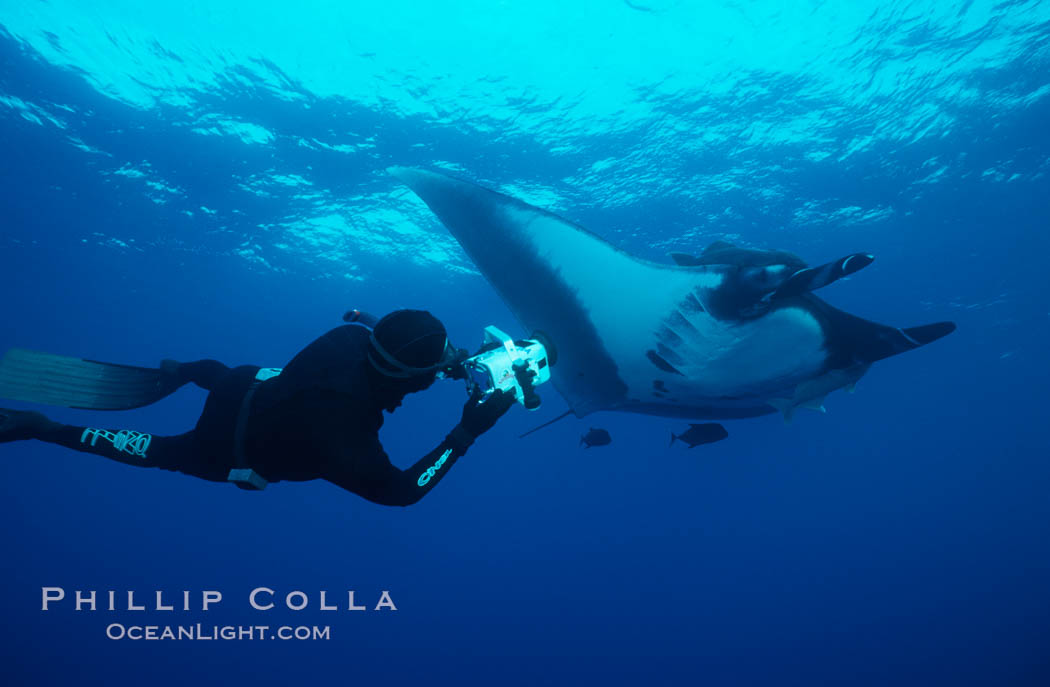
[126, 446]
[17, 425]
[204, 373]
[122, 445]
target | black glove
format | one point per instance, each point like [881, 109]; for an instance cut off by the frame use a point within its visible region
[479, 416]
[16, 425]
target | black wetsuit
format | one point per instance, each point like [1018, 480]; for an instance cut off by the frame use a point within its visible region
[318, 419]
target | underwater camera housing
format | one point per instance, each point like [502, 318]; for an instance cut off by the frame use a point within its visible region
[514, 366]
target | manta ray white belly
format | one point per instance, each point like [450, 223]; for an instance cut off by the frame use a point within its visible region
[729, 362]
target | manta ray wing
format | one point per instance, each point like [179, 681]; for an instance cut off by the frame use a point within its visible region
[631, 335]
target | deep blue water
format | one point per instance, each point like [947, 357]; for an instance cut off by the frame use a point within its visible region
[210, 183]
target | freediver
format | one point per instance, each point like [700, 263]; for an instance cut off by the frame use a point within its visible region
[317, 418]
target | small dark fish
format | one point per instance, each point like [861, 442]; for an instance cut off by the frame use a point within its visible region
[595, 437]
[706, 433]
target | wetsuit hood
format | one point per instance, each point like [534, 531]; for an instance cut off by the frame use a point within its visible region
[409, 343]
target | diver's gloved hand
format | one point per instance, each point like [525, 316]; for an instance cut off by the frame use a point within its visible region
[16, 425]
[479, 416]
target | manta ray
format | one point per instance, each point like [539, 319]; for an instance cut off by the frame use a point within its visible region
[730, 333]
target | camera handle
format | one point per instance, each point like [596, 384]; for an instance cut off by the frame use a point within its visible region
[523, 375]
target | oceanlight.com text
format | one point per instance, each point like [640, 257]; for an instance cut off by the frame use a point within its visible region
[200, 632]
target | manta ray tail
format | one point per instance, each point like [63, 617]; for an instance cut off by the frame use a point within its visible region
[547, 424]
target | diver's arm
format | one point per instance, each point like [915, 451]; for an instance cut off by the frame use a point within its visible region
[371, 474]
[382, 482]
